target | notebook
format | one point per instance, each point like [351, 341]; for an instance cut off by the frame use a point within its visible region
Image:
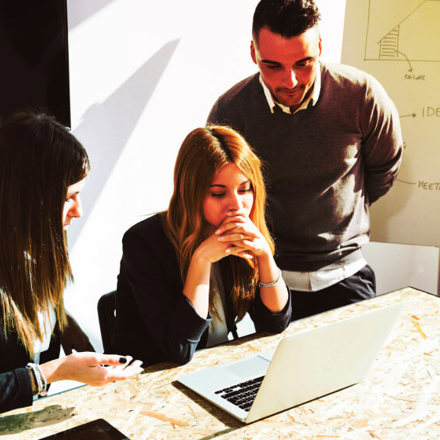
[303, 367]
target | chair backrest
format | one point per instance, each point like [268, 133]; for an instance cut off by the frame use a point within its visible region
[107, 318]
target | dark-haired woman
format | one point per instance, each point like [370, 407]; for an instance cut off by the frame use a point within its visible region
[42, 172]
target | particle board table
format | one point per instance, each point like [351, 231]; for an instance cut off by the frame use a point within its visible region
[398, 399]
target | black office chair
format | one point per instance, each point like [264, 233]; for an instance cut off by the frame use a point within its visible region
[107, 318]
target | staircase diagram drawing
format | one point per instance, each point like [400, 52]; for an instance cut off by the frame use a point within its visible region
[398, 42]
[415, 36]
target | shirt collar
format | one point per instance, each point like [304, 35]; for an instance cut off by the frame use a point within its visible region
[312, 99]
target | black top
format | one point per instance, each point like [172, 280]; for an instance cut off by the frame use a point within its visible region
[15, 383]
[154, 321]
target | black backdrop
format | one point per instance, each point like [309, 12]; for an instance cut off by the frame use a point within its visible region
[34, 69]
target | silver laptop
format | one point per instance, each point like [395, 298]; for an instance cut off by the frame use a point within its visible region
[304, 366]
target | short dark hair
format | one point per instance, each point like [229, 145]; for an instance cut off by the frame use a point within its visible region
[288, 18]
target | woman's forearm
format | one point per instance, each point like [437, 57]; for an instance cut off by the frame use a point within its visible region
[274, 297]
[196, 287]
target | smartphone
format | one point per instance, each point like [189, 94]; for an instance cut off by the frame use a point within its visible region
[98, 429]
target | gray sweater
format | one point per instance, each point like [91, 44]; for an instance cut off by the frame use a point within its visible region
[323, 166]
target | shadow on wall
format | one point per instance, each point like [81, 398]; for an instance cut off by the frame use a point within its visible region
[84, 9]
[106, 127]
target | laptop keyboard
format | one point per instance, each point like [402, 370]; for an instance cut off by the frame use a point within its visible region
[242, 394]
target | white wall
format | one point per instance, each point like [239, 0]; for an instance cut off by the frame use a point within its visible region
[143, 74]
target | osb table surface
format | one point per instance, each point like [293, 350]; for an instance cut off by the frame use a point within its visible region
[398, 399]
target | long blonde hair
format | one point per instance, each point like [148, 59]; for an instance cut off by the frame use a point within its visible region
[203, 153]
[39, 160]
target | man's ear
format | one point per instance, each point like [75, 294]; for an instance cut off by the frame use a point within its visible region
[320, 45]
[253, 54]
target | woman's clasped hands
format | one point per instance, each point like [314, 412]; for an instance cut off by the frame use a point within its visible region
[236, 235]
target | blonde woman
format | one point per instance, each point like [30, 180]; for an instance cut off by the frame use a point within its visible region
[189, 274]
[42, 172]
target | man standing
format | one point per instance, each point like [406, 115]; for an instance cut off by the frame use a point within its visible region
[330, 138]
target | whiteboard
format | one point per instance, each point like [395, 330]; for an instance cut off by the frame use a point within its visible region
[398, 42]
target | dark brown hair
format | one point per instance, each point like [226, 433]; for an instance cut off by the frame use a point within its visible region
[39, 160]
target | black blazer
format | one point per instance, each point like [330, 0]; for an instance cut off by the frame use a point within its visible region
[154, 321]
[15, 383]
